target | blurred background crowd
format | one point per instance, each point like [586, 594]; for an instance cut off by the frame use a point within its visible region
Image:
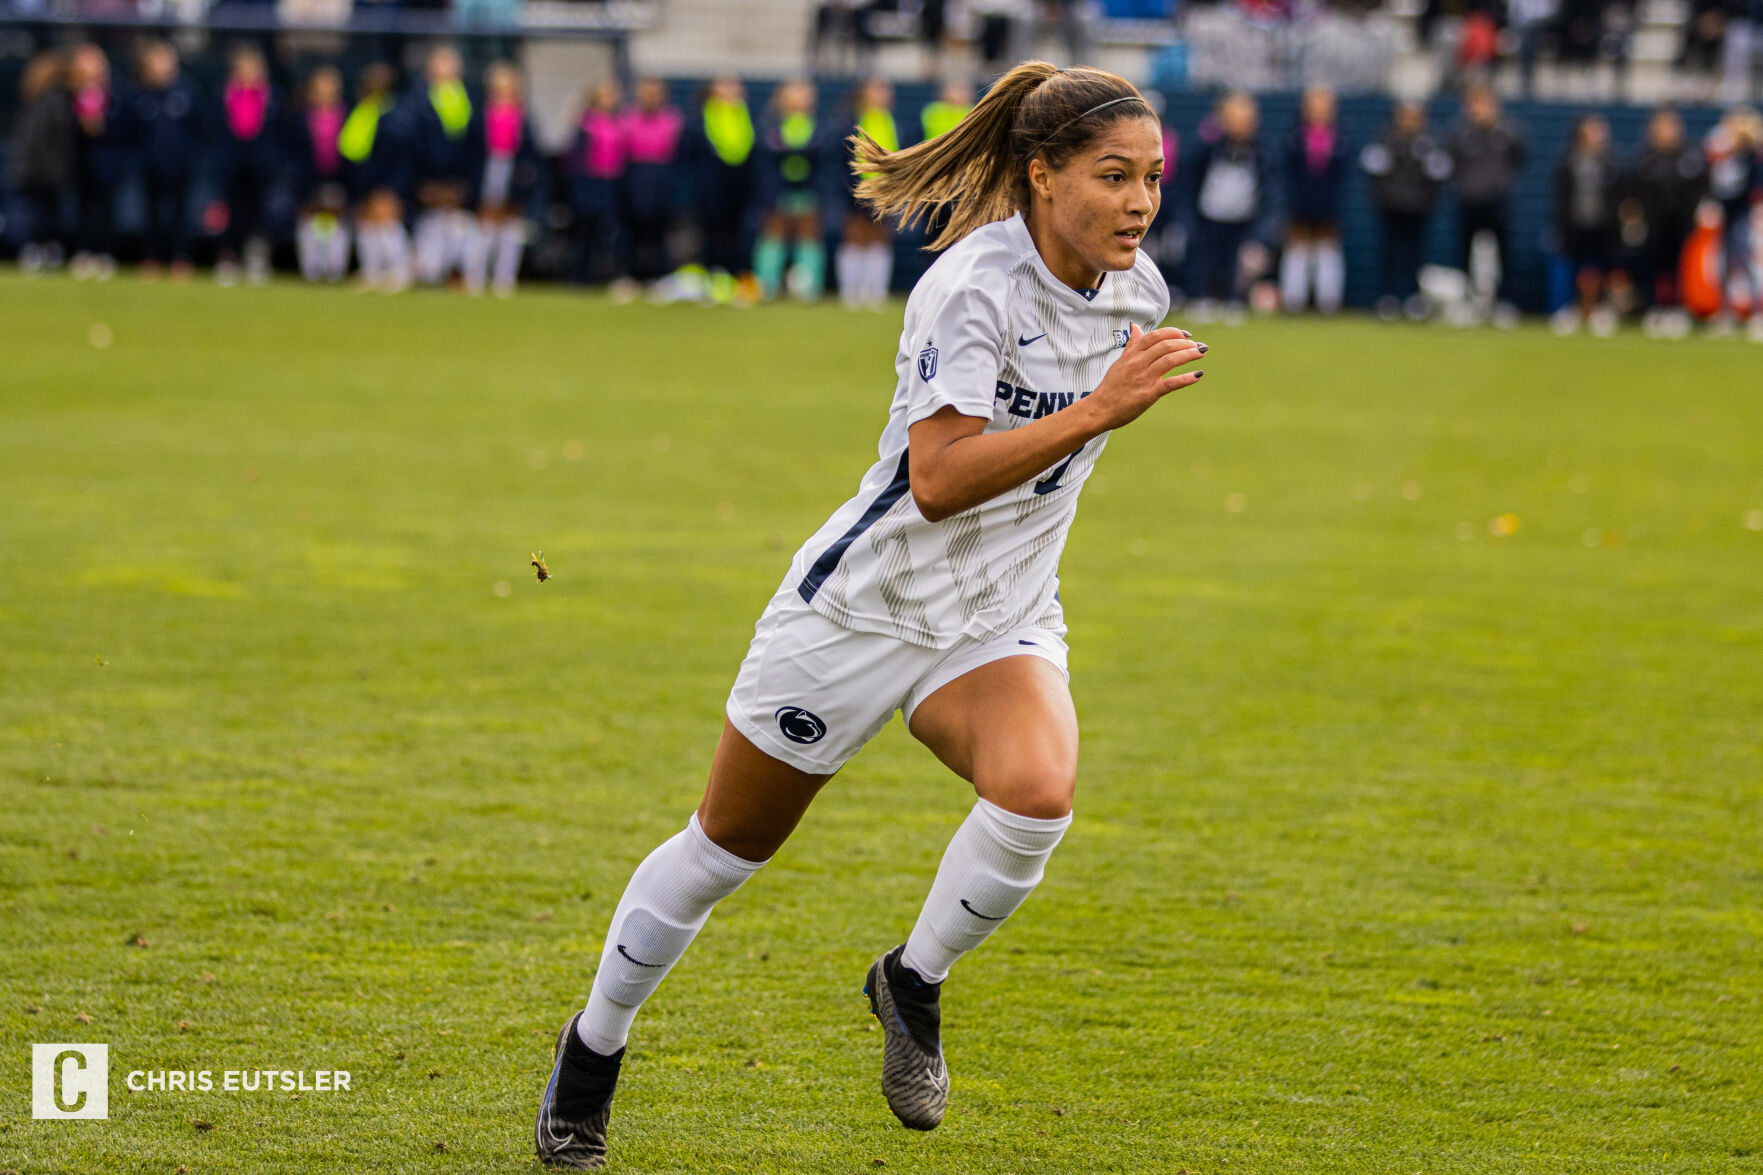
[1459, 159]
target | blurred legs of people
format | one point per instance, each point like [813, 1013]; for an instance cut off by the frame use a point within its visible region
[442, 237]
[494, 255]
[321, 244]
[382, 246]
[865, 263]
[1313, 266]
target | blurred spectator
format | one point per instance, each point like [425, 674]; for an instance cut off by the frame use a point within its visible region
[939, 117]
[1530, 22]
[1704, 35]
[375, 146]
[945, 112]
[1166, 241]
[510, 173]
[652, 136]
[1735, 181]
[162, 123]
[597, 161]
[97, 159]
[43, 158]
[937, 35]
[1315, 166]
[1487, 154]
[866, 251]
[1230, 194]
[796, 155]
[1665, 184]
[1348, 47]
[1590, 31]
[321, 234]
[1406, 165]
[449, 145]
[720, 146]
[998, 31]
[1585, 223]
[1068, 20]
[249, 162]
[1744, 39]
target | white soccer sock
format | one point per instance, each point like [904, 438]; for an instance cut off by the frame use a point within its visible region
[880, 273]
[308, 245]
[395, 242]
[431, 246]
[1294, 276]
[1331, 276]
[338, 262]
[666, 903]
[477, 258]
[993, 862]
[510, 241]
[370, 252]
[850, 261]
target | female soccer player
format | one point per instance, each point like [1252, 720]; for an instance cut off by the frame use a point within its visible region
[935, 589]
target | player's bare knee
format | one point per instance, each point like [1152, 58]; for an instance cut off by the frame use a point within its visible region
[1044, 794]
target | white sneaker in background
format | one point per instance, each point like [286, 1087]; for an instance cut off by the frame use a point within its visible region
[1604, 322]
[1564, 321]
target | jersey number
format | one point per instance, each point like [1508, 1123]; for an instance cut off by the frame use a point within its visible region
[1051, 482]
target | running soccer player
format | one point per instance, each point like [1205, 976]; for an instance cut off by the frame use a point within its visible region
[934, 590]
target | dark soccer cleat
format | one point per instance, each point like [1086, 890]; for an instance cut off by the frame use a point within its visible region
[914, 1079]
[571, 1130]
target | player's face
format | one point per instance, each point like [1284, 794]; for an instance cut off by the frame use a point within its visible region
[1102, 201]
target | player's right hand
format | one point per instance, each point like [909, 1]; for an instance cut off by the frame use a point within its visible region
[1145, 373]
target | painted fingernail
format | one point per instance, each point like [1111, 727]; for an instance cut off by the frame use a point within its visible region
[1204, 348]
[1186, 335]
[1198, 374]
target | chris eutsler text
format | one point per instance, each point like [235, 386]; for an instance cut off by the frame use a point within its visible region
[239, 1080]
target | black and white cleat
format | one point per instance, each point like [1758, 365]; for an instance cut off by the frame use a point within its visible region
[914, 1078]
[573, 1114]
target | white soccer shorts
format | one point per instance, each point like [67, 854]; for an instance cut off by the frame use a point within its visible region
[811, 693]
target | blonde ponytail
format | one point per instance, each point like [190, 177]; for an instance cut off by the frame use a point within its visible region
[980, 168]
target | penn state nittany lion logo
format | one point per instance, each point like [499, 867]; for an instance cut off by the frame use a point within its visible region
[927, 361]
[798, 725]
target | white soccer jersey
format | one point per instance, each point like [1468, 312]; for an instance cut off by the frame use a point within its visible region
[990, 331]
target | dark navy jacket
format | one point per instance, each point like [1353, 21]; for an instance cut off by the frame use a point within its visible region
[438, 156]
[165, 128]
[1314, 197]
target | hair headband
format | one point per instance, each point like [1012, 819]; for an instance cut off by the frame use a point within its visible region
[1074, 121]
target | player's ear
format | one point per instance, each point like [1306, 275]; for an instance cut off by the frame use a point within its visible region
[1040, 178]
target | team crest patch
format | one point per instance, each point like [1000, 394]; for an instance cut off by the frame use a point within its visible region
[798, 725]
[1122, 337]
[927, 362]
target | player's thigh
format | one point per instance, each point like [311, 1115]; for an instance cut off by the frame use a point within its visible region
[753, 802]
[1009, 728]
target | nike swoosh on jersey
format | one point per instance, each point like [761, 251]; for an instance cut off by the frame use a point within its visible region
[1022, 342]
[638, 961]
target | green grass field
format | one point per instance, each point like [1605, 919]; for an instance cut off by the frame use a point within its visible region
[1401, 845]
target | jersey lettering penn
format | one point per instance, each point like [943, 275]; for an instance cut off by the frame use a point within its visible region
[992, 333]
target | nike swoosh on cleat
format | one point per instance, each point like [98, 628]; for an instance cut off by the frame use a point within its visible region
[640, 962]
[1022, 342]
[964, 906]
